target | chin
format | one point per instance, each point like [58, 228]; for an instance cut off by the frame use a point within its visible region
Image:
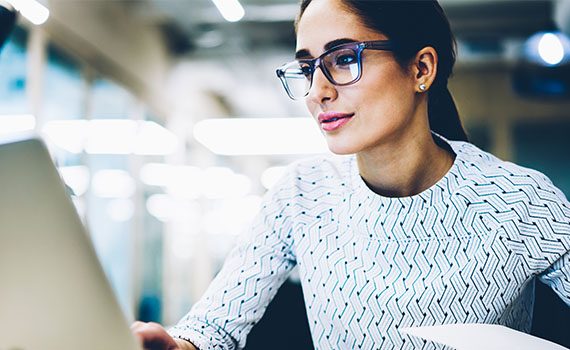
[341, 149]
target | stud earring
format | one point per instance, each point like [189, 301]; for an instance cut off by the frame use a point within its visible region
[422, 87]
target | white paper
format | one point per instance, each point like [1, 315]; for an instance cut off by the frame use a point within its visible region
[481, 336]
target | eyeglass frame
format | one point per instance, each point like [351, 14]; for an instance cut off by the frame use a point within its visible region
[314, 63]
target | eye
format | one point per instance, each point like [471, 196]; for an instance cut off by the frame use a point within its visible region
[345, 59]
[306, 70]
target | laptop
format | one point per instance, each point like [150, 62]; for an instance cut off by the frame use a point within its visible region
[472, 336]
[54, 294]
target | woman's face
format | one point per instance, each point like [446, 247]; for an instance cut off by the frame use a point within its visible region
[375, 110]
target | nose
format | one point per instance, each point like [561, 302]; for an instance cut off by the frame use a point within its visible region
[322, 90]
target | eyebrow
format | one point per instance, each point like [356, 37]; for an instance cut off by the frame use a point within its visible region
[305, 53]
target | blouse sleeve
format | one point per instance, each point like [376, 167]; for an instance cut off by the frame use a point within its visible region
[545, 235]
[252, 273]
[557, 276]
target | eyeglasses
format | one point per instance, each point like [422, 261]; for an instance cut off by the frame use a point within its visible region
[341, 65]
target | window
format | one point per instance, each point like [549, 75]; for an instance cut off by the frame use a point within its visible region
[13, 60]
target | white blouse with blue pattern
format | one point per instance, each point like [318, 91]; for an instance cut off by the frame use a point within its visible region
[465, 250]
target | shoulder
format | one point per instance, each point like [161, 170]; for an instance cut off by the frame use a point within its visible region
[483, 167]
[522, 204]
[488, 177]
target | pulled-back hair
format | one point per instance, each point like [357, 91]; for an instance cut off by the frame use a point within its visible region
[414, 25]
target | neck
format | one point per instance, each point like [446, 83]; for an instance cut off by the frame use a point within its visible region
[404, 166]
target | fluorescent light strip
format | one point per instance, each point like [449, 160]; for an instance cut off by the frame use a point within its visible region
[260, 136]
[192, 182]
[34, 11]
[231, 10]
[14, 123]
[111, 136]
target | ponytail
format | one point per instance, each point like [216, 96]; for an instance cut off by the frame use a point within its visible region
[443, 115]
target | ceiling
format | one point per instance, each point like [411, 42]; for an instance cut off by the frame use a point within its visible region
[189, 25]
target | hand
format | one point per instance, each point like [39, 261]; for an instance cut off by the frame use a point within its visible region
[154, 337]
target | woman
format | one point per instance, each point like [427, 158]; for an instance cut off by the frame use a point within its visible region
[403, 228]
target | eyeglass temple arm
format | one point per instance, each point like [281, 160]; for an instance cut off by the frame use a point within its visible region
[381, 45]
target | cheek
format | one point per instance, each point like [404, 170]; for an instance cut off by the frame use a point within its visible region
[385, 105]
[311, 106]
[391, 92]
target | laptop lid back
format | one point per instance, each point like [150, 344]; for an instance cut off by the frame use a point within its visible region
[54, 294]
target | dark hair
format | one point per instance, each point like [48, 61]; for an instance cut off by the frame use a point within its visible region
[7, 21]
[414, 25]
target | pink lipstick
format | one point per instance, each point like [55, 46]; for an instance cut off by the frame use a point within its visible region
[333, 120]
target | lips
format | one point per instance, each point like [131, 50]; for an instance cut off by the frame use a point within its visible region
[333, 120]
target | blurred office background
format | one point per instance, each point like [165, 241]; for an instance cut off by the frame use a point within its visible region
[168, 123]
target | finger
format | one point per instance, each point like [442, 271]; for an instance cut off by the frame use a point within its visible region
[154, 324]
[140, 330]
[139, 324]
[153, 336]
[147, 328]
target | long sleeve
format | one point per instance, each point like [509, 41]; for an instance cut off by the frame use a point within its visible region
[544, 235]
[252, 273]
[557, 276]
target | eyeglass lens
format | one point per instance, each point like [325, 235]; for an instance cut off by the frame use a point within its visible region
[341, 67]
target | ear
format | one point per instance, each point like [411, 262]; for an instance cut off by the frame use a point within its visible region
[424, 66]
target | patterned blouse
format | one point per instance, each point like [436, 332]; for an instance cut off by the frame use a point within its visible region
[466, 250]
